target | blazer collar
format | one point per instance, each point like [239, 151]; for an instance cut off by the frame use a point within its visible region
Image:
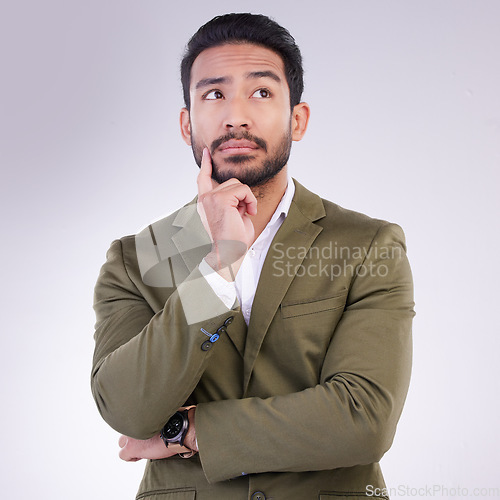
[192, 241]
[306, 207]
[298, 230]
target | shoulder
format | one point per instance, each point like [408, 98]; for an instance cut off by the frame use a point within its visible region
[357, 227]
[343, 225]
[163, 228]
[343, 216]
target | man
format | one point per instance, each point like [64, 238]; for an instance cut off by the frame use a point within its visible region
[277, 323]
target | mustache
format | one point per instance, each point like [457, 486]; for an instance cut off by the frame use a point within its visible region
[243, 135]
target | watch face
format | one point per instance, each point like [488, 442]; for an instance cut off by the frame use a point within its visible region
[174, 426]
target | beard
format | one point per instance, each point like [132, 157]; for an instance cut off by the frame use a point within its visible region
[241, 165]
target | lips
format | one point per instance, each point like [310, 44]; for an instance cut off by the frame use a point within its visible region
[237, 146]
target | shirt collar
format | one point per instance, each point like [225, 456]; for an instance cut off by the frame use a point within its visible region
[284, 204]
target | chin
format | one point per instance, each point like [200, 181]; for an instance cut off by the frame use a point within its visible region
[255, 176]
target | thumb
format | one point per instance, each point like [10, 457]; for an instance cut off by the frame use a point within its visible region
[122, 442]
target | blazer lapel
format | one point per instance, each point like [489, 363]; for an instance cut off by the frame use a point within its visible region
[192, 241]
[168, 250]
[297, 231]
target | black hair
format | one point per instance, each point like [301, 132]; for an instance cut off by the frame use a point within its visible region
[246, 28]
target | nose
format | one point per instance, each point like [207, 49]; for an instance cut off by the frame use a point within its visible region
[237, 115]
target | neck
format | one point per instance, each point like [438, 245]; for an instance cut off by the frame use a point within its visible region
[268, 198]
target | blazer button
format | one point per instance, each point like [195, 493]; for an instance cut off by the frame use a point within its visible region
[206, 346]
[228, 321]
[258, 495]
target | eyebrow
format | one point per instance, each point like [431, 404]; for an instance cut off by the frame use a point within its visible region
[264, 74]
[207, 82]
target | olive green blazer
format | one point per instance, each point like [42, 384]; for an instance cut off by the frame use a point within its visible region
[303, 402]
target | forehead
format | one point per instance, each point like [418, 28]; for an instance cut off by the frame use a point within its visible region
[235, 60]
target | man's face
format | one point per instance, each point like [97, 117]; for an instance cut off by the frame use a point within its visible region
[240, 110]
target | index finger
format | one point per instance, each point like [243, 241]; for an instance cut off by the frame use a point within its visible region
[204, 179]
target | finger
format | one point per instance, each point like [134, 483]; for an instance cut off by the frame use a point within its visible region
[245, 199]
[205, 176]
[124, 452]
[122, 442]
[251, 202]
[125, 456]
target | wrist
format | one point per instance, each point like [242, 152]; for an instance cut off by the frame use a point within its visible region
[190, 439]
[175, 430]
[222, 268]
[226, 257]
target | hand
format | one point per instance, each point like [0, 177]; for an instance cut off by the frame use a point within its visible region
[132, 450]
[226, 211]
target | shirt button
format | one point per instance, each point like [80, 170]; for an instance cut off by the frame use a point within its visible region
[251, 252]
[206, 346]
[258, 495]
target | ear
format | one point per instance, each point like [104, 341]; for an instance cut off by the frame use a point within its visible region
[300, 119]
[185, 126]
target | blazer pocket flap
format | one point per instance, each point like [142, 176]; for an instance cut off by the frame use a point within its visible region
[168, 495]
[348, 496]
[294, 309]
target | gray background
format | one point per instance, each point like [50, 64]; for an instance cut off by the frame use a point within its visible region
[405, 126]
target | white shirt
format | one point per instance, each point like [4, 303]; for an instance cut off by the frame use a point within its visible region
[245, 284]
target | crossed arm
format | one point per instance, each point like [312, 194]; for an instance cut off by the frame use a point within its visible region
[356, 402]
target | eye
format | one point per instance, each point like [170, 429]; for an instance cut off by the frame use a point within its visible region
[213, 95]
[262, 94]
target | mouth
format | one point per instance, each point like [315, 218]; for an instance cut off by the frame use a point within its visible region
[237, 146]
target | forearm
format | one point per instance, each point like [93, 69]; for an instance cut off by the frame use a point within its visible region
[346, 422]
[141, 383]
[348, 419]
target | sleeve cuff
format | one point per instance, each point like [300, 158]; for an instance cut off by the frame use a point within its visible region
[225, 290]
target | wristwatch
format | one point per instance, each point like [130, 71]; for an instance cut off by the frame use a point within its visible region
[175, 430]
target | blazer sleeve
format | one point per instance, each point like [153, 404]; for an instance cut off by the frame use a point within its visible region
[146, 365]
[350, 417]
